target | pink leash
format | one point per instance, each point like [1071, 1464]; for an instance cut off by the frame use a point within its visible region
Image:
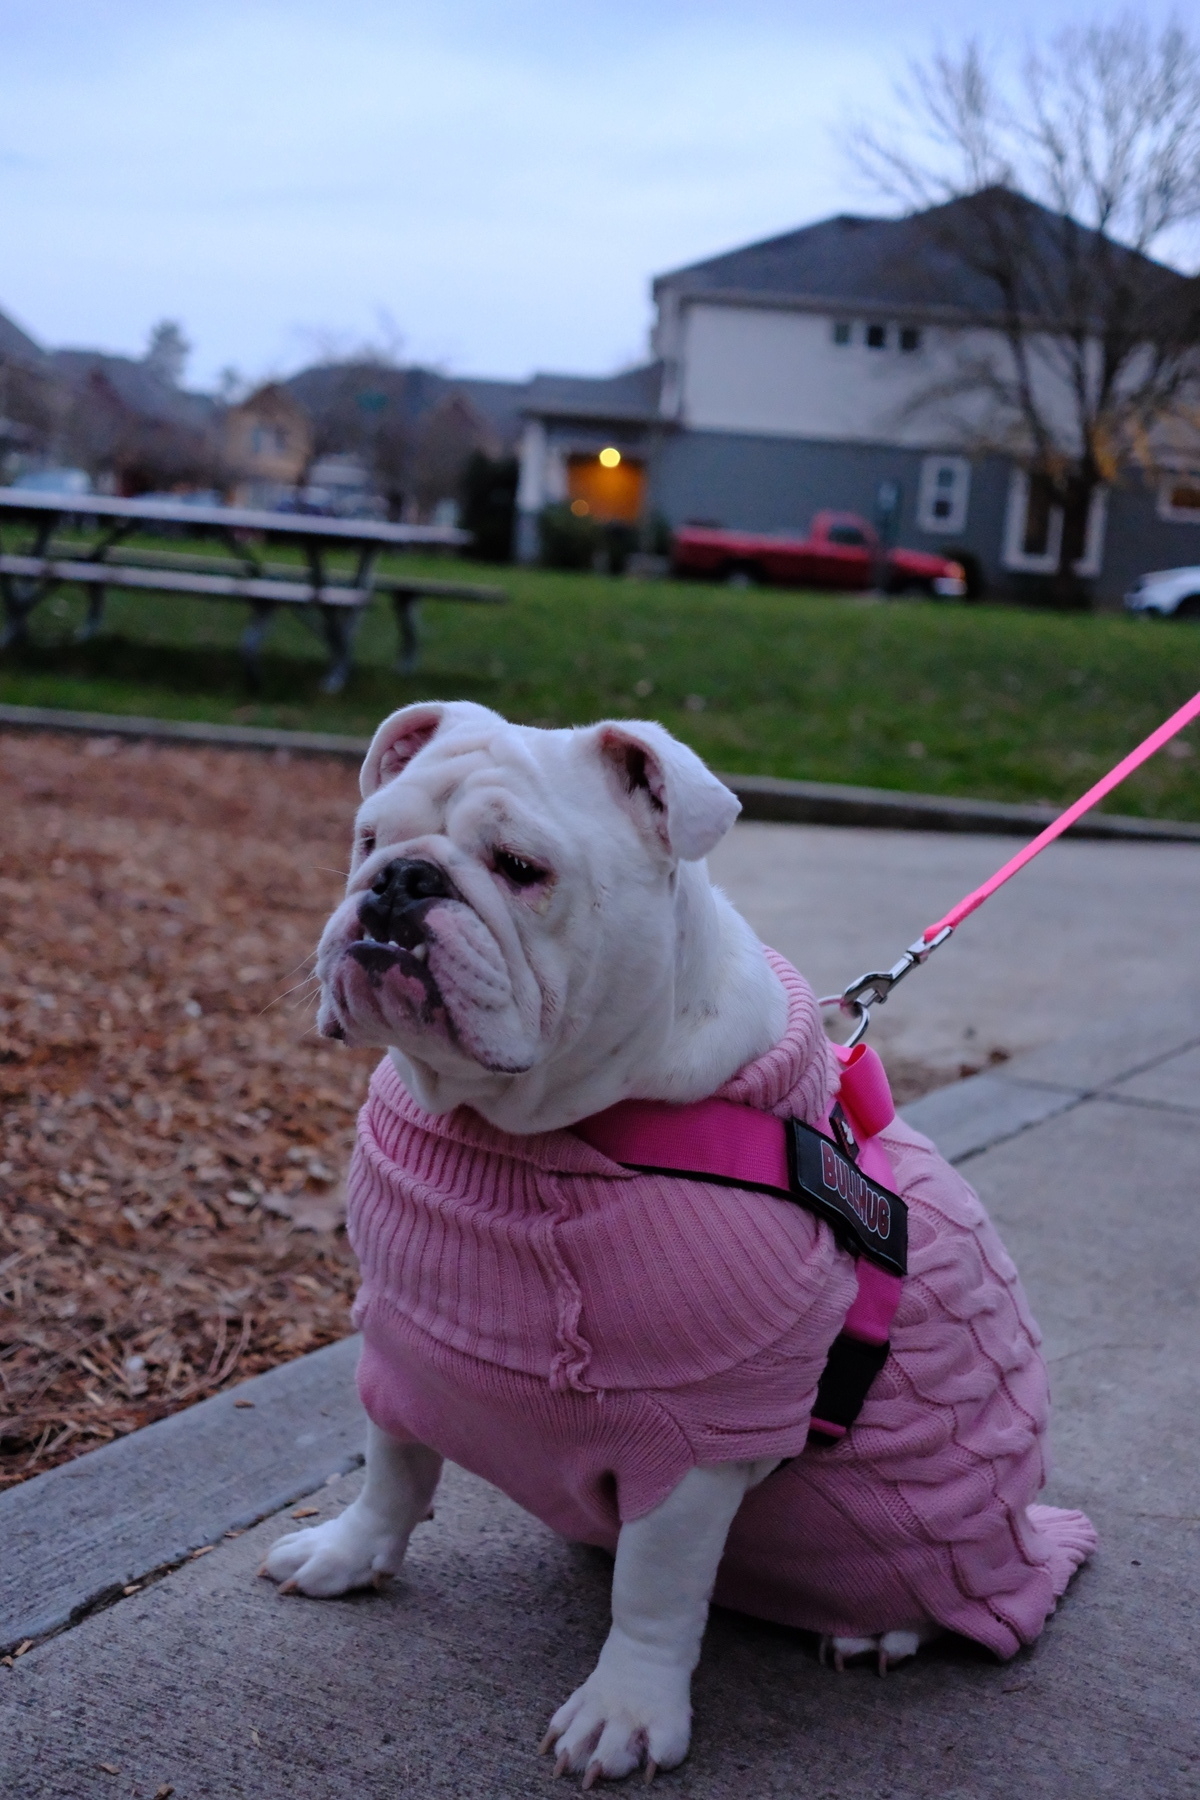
[873, 989]
[718, 1140]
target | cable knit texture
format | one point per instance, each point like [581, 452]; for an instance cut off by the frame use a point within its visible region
[582, 1335]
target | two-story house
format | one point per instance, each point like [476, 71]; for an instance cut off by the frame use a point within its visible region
[823, 368]
[267, 443]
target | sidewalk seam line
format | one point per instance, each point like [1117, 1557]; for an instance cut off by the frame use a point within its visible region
[113, 1595]
[1006, 1137]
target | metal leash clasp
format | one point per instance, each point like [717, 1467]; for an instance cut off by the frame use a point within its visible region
[873, 989]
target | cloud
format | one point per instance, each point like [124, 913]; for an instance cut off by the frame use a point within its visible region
[503, 178]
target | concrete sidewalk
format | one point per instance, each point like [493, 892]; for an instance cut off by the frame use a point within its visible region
[1087, 931]
[205, 1682]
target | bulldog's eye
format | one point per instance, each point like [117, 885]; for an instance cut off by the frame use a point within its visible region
[522, 874]
[366, 843]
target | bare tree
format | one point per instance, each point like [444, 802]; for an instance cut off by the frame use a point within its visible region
[448, 436]
[357, 407]
[167, 352]
[1052, 190]
[27, 408]
[97, 430]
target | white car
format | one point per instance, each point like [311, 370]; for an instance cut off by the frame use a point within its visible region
[1171, 593]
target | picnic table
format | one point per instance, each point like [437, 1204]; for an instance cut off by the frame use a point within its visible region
[80, 539]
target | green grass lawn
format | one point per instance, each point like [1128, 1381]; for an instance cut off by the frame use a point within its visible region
[985, 701]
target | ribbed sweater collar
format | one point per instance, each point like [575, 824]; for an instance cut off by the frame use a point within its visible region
[796, 1078]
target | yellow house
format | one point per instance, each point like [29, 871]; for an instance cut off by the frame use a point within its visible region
[268, 444]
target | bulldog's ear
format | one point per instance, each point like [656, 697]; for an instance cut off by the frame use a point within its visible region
[397, 742]
[667, 787]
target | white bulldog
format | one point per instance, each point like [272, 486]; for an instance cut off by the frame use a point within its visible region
[530, 930]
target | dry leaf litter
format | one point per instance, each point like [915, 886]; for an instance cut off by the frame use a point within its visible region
[174, 1133]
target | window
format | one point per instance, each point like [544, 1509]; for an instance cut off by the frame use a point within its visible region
[1033, 528]
[1179, 498]
[268, 440]
[944, 493]
[876, 337]
[841, 331]
[850, 535]
[910, 338]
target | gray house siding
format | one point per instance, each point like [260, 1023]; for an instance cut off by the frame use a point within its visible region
[1138, 540]
[754, 483]
[777, 484]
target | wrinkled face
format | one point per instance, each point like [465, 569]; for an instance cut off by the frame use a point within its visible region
[512, 891]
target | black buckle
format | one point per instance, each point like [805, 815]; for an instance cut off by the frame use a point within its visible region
[843, 1131]
[868, 1219]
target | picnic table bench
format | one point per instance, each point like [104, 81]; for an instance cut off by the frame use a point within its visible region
[333, 599]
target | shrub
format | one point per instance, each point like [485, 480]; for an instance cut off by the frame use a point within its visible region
[618, 542]
[972, 570]
[489, 499]
[568, 540]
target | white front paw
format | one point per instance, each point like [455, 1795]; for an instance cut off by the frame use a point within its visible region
[632, 1707]
[357, 1549]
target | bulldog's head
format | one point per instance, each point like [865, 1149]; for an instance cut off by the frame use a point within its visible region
[525, 916]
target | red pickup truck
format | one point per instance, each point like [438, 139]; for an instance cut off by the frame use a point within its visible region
[840, 551]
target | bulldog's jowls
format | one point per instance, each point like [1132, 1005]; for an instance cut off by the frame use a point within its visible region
[530, 932]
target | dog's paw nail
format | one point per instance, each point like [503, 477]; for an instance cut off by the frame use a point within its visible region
[594, 1772]
[839, 1662]
[883, 1662]
[289, 1587]
[381, 1578]
[563, 1763]
[547, 1744]
[651, 1771]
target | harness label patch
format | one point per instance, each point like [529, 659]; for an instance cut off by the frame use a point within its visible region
[867, 1217]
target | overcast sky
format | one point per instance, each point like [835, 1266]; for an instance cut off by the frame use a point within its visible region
[492, 183]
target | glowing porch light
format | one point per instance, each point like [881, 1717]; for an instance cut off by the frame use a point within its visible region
[609, 458]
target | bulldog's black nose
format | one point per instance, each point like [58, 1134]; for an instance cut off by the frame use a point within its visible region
[390, 912]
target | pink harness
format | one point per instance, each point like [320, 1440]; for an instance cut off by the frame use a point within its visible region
[718, 1140]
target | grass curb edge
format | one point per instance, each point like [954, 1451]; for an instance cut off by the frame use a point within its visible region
[764, 797]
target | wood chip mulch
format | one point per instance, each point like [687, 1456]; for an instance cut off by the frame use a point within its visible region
[173, 1133]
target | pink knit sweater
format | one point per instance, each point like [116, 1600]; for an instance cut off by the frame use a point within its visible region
[581, 1335]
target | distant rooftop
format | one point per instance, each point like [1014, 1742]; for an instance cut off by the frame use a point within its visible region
[136, 386]
[17, 346]
[628, 398]
[864, 263]
[412, 391]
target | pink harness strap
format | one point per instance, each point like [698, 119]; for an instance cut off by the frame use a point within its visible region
[724, 1141]
[719, 1140]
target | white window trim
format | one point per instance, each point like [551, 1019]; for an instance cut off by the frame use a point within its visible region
[959, 495]
[1016, 557]
[531, 485]
[555, 475]
[1177, 515]
[1092, 560]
